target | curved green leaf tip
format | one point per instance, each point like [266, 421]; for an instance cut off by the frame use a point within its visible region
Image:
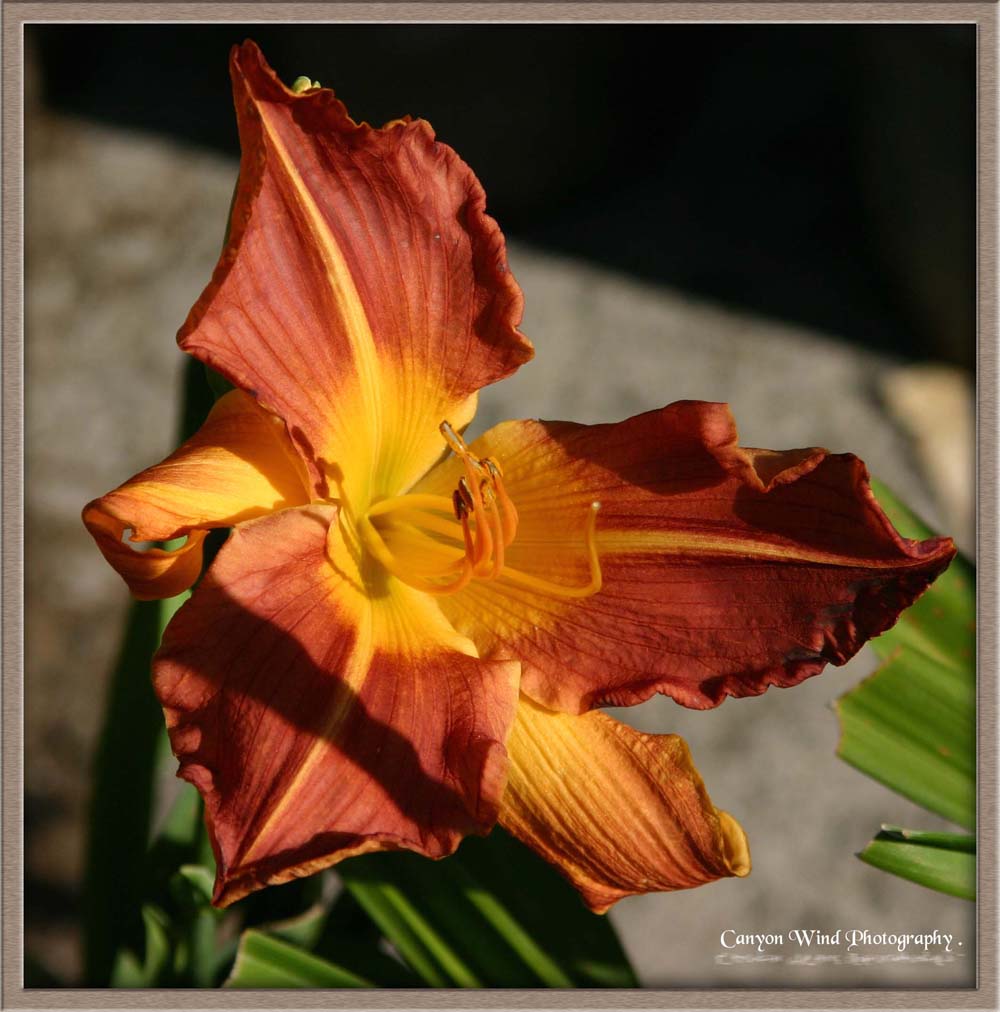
[266, 962]
[945, 862]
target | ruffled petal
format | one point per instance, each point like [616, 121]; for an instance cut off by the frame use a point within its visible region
[363, 294]
[239, 465]
[618, 812]
[724, 570]
[321, 717]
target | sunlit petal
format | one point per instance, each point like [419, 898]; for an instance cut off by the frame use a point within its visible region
[618, 812]
[363, 294]
[723, 570]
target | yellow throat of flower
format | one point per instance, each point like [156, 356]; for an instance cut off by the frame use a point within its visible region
[439, 545]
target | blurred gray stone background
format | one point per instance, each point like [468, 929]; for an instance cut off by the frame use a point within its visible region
[122, 232]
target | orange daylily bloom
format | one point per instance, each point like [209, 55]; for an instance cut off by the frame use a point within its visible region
[404, 638]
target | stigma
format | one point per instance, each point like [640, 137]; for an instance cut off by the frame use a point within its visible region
[440, 544]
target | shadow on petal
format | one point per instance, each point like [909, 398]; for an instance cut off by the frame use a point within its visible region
[311, 734]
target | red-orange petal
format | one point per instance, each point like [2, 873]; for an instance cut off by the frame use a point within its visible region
[618, 812]
[724, 570]
[363, 294]
[239, 465]
[319, 722]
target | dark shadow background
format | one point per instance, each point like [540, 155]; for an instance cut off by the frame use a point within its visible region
[820, 174]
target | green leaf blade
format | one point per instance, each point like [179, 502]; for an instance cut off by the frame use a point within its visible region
[263, 961]
[931, 838]
[413, 934]
[496, 914]
[894, 731]
[120, 807]
[548, 910]
[493, 913]
[944, 869]
[348, 936]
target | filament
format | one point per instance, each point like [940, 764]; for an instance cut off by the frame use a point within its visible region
[442, 542]
[373, 542]
[592, 586]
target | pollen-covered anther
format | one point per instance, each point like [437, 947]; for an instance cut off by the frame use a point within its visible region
[459, 505]
[463, 494]
[455, 442]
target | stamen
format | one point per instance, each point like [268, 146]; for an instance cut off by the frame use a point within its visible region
[410, 502]
[438, 525]
[484, 542]
[373, 542]
[467, 538]
[557, 589]
[496, 530]
[429, 542]
[473, 483]
[508, 514]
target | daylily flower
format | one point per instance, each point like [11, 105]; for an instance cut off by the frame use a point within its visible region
[405, 637]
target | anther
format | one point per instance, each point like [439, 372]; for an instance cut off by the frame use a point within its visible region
[458, 503]
[465, 494]
[453, 439]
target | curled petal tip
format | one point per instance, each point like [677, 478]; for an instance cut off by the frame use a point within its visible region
[238, 465]
[736, 847]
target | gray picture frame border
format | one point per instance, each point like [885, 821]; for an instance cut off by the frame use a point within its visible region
[14, 16]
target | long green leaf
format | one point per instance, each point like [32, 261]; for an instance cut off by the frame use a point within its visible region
[944, 868]
[548, 910]
[410, 930]
[303, 930]
[931, 838]
[197, 956]
[912, 724]
[896, 729]
[492, 915]
[349, 937]
[265, 961]
[120, 804]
